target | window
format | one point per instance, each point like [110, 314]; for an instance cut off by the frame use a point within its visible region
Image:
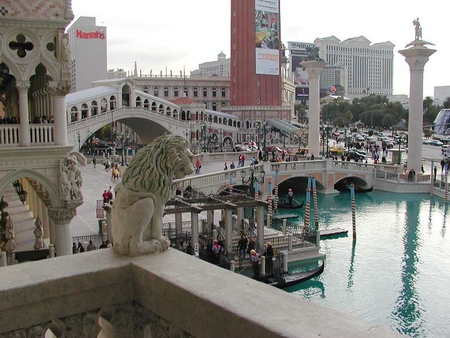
[175, 92]
[166, 92]
[195, 92]
[214, 92]
[205, 92]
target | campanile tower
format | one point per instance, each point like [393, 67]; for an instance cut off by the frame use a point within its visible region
[255, 81]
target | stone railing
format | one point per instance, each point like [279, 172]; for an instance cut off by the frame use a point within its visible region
[169, 294]
[40, 134]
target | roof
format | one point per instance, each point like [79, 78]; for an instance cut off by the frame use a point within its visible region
[185, 100]
[282, 125]
[90, 94]
[219, 113]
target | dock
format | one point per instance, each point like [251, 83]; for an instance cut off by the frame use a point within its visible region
[287, 216]
[332, 232]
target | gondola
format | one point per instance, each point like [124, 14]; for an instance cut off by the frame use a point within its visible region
[361, 189]
[291, 206]
[285, 280]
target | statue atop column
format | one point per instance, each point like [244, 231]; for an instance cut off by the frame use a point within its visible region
[70, 180]
[418, 29]
[418, 36]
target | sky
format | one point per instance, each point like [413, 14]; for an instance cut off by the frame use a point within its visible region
[180, 34]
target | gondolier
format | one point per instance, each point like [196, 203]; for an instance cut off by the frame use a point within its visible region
[290, 196]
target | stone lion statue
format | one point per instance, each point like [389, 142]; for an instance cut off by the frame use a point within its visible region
[138, 209]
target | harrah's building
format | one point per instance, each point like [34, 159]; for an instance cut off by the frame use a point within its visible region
[89, 53]
[255, 81]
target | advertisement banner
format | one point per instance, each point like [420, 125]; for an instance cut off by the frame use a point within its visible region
[298, 54]
[267, 39]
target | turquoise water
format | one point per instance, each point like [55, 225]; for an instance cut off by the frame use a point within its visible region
[397, 274]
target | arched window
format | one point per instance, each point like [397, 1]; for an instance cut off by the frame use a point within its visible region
[214, 106]
[224, 92]
[175, 91]
[145, 90]
[166, 92]
[215, 119]
[146, 104]
[214, 92]
[161, 109]
[138, 101]
[195, 92]
[94, 108]
[73, 114]
[205, 92]
[155, 91]
[84, 110]
[103, 106]
[154, 106]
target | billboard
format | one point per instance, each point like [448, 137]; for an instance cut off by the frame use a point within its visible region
[267, 37]
[302, 95]
[298, 54]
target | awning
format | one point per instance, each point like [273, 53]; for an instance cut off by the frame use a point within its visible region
[282, 126]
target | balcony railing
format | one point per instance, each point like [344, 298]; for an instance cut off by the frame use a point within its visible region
[40, 134]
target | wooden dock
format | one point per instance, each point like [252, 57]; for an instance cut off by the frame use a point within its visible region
[332, 232]
[287, 216]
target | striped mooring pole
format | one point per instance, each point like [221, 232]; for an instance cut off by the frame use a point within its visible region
[432, 178]
[315, 204]
[275, 204]
[353, 207]
[307, 208]
[446, 185]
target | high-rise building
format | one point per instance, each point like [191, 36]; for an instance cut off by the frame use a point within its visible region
[89, 53]
[370, 67]
[256, 72]
[221, 67]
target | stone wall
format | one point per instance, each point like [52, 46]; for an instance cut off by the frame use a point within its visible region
[99, 293]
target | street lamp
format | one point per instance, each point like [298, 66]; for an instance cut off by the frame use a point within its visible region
[204, 136]
[79, 141]
[253, 178]
[123, 140]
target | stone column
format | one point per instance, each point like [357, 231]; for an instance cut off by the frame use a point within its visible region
[314, 68]
[24, 129]
[229, 230]
[59, 114]
[260, 225]
[62, 218]
[45, 225]
[179, 224]
[210, 220]
[194, 232]
[416, 57]
[240, 216]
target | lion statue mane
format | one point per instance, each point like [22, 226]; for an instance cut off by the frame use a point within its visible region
[138, 209]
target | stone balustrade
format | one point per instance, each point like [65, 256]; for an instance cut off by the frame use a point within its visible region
[40, 134]
[101, 294]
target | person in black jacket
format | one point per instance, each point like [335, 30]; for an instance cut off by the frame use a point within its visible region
[269, 257]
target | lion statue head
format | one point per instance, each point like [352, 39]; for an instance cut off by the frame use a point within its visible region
[154, 166]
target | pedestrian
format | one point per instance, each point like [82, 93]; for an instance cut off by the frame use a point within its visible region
[110, 195]
[242, 247]
[94, 162]
[216, 251]
[254, 258]
[251, 246]
[243, 159]
[232, 166]
[91, 246]
[435, 172]
[442, 165]
[103, 245]
[105, 197]
[198, 165]
[225, 167]
[423, 170]
[80, 247]
[108, 244]
[74, 248]
[269, 257]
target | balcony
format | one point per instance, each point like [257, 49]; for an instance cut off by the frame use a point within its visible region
[101, 294]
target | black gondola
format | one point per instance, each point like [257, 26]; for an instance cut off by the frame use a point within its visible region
[285, 280]
[291, 206]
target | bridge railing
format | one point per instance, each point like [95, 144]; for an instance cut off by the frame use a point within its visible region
[298, 165]
[40, 134]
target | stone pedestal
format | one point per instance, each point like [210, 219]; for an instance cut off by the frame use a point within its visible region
[416, 57]
[314, 68]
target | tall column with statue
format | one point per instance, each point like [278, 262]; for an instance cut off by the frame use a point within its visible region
[314, 66]
[416, 56]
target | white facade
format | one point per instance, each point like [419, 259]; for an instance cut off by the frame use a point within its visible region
[89, 53]
[441, 93]
[221, 67]
[370, 68]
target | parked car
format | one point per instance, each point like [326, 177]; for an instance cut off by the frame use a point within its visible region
[355, 153]
[436, 143]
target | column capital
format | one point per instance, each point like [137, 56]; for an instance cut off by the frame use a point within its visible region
[314, 68]
[417, 56]
[62, 215]
[55, 88]
[23, 85]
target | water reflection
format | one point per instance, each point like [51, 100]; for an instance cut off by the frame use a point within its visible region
[408, 312]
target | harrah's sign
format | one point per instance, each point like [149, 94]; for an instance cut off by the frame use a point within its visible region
[90, 35]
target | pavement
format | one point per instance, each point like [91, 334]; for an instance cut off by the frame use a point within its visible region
[95, 181]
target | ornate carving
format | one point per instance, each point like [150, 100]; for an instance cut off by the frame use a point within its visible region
[62, 215]
[70, 180]
[23, 85]
[38, 234]
[79, 325]
[65, 59]
[35, 331]
[143, 193]
[134, 318]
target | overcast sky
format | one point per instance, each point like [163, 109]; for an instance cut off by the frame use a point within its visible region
[174, 34]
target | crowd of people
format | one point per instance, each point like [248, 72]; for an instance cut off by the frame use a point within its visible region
[78, 248]
[108, 196]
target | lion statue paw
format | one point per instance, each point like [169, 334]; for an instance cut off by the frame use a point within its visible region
[138, 209]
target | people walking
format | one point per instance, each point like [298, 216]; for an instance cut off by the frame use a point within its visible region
[269, 257]
[242, 247]
[254, 258]
[91, 246]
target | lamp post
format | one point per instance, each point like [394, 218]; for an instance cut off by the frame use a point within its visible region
[253, 178]
[79, 141]
[399, 151]
[258, 129]
[264, 141]
[123, 140]
[204, 136]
